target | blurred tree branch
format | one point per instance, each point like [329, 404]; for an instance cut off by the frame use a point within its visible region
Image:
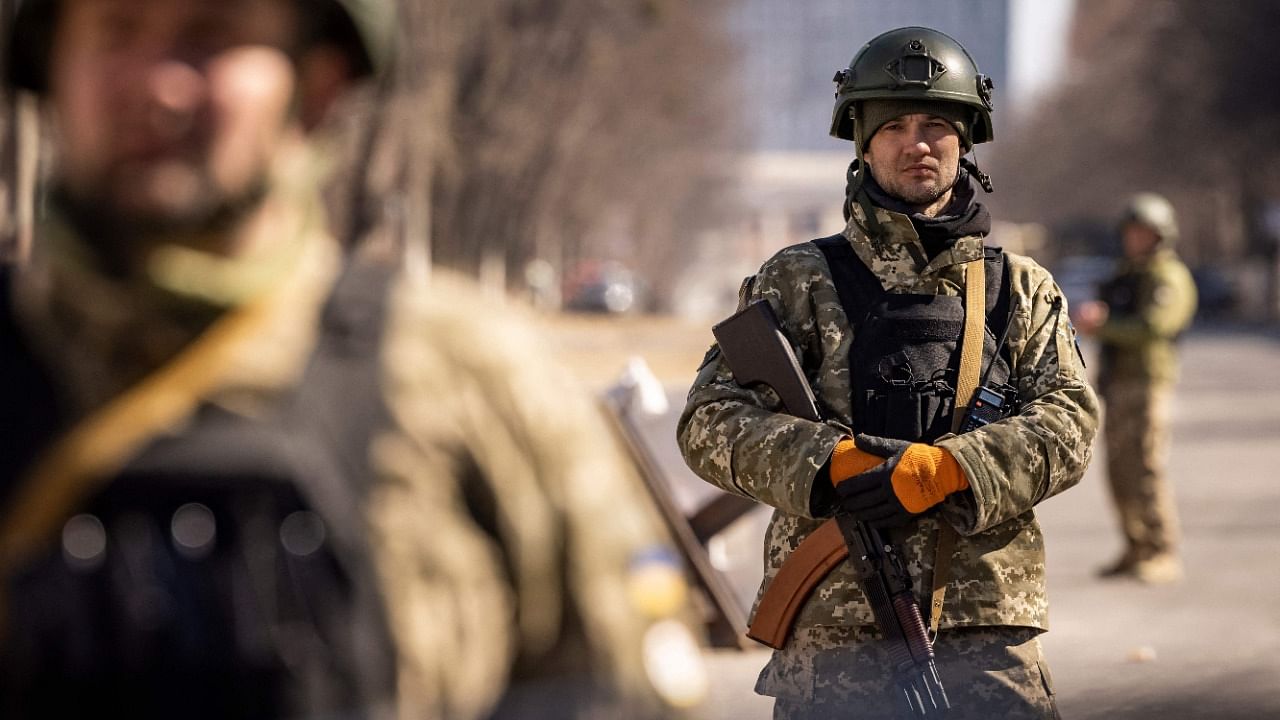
[1174, 96]
[551, 129]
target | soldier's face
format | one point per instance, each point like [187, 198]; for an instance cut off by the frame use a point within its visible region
[1139, 240]
[915, 158]
[165, 111]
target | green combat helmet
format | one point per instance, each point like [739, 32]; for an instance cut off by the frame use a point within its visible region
[1155, 212]
[366, 28]
[912, 63]
[915, 64]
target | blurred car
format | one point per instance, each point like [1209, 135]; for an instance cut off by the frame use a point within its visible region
[1216, 292]
[602, 287]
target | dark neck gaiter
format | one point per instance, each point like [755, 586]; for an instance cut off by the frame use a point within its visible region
[961, 217]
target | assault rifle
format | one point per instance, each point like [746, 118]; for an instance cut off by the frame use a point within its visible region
[757, 351]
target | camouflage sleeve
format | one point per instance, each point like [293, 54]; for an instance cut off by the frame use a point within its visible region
[738, 438]
[518, 527]
[1165, 306]
[1045, 447]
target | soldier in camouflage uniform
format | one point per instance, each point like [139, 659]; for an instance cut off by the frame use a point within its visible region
[1143, 307]
[914, 103]
[242, 475]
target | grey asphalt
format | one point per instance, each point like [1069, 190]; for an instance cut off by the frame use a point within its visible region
[1207, 647]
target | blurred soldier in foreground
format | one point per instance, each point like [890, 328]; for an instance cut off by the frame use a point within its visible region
[1143, 308]
[875, 316]
[244, 476]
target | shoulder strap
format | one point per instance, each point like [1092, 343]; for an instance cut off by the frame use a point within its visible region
[856, 285]
[340, 399]
[101, 443]
[997, 287]
[340, 394]
[976, 296]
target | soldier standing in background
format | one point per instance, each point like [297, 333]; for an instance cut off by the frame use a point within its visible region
[874, 316]
[1143, 308]
[245, 476]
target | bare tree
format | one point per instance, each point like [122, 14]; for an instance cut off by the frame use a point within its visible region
[1166, 95]
[555, 125]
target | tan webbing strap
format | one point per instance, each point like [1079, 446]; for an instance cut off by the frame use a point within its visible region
[975, 321]
[806, 566]
[101, 443]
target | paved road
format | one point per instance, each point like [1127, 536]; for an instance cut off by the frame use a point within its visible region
[1208, 647]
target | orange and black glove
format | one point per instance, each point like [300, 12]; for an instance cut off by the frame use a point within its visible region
[893, 480]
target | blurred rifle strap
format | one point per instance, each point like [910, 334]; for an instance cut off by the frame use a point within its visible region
[975, 320]
[95, 447]
[74, 465]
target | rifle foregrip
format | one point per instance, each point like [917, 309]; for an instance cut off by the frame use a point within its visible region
[912, 624]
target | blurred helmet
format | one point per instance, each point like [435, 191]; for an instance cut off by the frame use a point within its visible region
[365, 28]
[374, 22]
[912, 64]
[1153, 211]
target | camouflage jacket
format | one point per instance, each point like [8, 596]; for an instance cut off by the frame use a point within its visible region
[736, 438]
[1152, 301]
[508, 532]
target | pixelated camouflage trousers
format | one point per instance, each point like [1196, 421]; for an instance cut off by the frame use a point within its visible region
[1136, 428]
[844, 673]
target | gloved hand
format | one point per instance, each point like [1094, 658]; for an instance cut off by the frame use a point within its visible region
[847, 460]
[913, 478]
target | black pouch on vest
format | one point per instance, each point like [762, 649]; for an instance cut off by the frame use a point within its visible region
[905, 356]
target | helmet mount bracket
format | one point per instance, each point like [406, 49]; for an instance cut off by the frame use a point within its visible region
[915, 67]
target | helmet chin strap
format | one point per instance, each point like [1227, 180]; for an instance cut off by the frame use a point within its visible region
[852, 184]
[852, 176]
[855, 192]
[983, 179]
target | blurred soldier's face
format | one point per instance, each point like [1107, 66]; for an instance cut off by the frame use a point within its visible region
[1139, 240]
[915, 158]
[167, 112]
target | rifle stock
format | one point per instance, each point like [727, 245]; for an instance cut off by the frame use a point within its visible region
[757, 351]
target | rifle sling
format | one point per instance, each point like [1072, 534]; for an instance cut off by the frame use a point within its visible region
[975, 314]
[824, 548]
[73, 466]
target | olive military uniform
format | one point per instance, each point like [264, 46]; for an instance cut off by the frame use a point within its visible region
[499, 528]
[277, 482]
[737, 439]
[1151, 301]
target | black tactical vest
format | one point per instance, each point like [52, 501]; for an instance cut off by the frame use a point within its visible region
[1120, 293]
[905, 356]
[225, 572]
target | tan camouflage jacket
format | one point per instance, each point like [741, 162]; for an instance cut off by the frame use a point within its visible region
[550, 589]
[737, 439]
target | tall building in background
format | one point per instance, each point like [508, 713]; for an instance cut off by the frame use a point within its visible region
[790, 50]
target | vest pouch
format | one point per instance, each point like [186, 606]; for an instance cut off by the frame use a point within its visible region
[903, 363]
[935, 409]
